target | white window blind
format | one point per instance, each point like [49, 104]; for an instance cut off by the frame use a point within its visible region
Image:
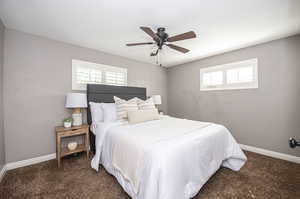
[240, 75]
[237, 75]
[92, 73]
[213, 78]
[87, 75]
[115, 78]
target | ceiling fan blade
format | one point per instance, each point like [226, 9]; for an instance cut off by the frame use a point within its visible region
[149, 31]
[178, 48]
[187, 35]
[137, 44]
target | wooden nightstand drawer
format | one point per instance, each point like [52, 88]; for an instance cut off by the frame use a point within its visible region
[73, 132]
[63, 129]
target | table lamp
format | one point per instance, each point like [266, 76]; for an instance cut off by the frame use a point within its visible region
[156, 100]
[76, 101]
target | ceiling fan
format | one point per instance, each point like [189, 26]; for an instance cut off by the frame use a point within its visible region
[161, 38]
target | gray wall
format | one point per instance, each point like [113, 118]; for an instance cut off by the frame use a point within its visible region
[2, 146]
[265, 117]
[37, 77]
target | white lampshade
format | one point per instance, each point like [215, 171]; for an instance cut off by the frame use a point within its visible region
[76, 100]
[156, 99]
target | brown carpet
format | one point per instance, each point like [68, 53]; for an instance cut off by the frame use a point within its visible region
[261, 177]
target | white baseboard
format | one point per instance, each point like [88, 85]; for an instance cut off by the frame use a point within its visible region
[23, 163]
[2, 172]
[273, 154]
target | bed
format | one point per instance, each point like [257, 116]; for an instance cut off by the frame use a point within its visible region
[169, 158]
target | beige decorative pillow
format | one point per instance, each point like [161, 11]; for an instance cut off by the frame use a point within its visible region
[142, 116]
[146, 105]
[123, 106]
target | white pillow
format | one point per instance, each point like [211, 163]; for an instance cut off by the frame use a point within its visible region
[142, 116]
[109, 112]
[96, 112]
[124, 106]
[146, 105]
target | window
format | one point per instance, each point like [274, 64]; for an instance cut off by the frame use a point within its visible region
[237, 75]
[91, 73]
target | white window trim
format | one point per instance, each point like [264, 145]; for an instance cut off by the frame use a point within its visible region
[96, 66]
[224, 67]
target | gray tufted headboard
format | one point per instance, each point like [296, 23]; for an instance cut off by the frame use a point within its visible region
[104, 94]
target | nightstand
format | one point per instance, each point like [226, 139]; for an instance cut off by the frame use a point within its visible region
[62, 132]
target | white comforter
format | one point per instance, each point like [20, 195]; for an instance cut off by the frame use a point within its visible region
[165, 159]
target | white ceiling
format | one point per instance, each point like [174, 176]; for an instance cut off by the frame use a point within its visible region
[107, 25]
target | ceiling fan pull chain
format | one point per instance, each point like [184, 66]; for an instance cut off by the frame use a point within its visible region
[159, 58]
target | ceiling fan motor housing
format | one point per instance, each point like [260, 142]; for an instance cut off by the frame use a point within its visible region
[162, 35]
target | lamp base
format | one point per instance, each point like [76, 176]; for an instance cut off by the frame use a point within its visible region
[77, 119]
